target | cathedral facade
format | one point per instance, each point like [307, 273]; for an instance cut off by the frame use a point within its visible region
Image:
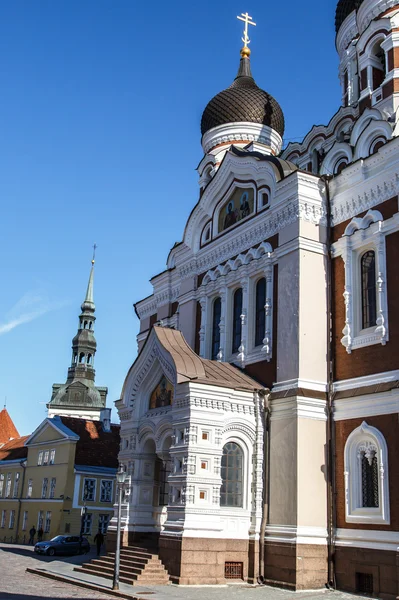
[259, 423]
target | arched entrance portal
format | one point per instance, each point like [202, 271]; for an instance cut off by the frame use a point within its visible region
[157, 464]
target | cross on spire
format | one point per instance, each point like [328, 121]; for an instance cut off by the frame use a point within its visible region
[248, 21]
[94, 254]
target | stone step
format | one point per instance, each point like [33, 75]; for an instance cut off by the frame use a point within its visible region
[126, 570]
[155, 579]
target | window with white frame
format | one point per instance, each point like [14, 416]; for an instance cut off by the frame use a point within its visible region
[87, 523]
[366, 477]
[40, 458]
[366, 307]
[1, 484]
[46, 457]
[12, 520]
[8, 485]
[52, 457]
[25, 520]
[3, 518]
[40, 520]
[89, 490]
[16, 485]
[52, 487]
[47, 523]
[231, 492]
[103, 522]
[30, 488]
[44, 487]
[106, 490]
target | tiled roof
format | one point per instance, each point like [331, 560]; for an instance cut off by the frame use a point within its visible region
[190, 367]
[8, 430]
[15, 449]
[95, 446]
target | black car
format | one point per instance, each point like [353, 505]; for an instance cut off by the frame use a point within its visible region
[66, 545]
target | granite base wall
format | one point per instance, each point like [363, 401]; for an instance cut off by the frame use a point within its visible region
[381, 564]
[296, 566]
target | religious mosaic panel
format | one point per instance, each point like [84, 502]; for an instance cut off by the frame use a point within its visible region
[162, 395]
[238, 207]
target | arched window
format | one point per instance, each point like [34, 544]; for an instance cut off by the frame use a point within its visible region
[366, 476]
[340, 165]
[376, 145]
[237, 325]
[81, 357]
[90, 324]
[89, 357]
[379, 68]
[85, 325]
[216, 316]
[232, 476]
[369, 292]
[260, 311]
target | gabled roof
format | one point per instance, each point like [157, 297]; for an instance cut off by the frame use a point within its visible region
[190, 367]
[8, 430]
[95, 447]
[56, 424]
[14, 449]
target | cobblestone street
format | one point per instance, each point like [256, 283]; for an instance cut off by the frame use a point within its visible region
[16, 584]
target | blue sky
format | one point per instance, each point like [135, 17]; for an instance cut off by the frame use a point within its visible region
[100, 111]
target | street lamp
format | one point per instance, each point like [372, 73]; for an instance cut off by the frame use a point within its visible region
[120, 479]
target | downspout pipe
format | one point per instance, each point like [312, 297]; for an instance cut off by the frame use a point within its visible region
[266, 480]
[330, 458]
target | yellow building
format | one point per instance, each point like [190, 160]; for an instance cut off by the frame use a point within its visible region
[61, 479]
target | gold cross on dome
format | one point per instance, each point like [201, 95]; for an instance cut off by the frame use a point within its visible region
[248, 21]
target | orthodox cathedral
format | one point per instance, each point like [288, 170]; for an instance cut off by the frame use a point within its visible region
[259, 422]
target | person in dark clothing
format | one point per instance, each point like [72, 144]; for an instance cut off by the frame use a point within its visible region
[32, 533]
[99, 540]
[40, 534]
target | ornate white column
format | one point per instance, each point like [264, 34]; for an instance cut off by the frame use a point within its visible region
[382, 307]
[267, 347]
[243, 350]
[347, 339]
[222, 325]
[202, 331]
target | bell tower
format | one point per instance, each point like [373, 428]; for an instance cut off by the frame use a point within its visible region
[79, 397]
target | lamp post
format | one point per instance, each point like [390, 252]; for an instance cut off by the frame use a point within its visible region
[120, 478]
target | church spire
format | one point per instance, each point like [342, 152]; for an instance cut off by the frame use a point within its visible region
[79, 396]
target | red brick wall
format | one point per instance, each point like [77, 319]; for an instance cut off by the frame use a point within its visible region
[389, 427]
[376, 358]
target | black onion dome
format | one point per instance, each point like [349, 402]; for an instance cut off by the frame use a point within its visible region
[344, 9]
[243, 101]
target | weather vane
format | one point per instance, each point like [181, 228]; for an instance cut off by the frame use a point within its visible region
[248, 21]
[94, 254]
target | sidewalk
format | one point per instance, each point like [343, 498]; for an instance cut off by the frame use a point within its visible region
[63, 571]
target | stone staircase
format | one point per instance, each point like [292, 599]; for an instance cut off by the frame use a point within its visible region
[139, 565]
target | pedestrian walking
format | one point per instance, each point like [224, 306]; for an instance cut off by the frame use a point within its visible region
[40, 534]
[99, 540]
[32, 533]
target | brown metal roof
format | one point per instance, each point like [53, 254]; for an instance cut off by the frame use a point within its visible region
[190, 367]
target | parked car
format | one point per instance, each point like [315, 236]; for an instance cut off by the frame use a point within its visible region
[63, 545]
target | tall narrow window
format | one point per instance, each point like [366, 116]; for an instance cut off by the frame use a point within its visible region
[216, 316]
[3, 518]
[40, 458]
[12, 520]
[370, 479]
[86, 524]
[8, 485]
[40, 520]
[47, 524]
[52, 457]
[25, 520]
[103, 522]
[46, 457]
[1, 484]
[89, 490]
[16, 486]
[44, 487]
[52, 487]
[260, 311]
[232, 476]
[369, 292]
[237, 310]
[30, 488]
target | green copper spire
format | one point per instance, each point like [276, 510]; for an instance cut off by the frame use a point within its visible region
[79, 395]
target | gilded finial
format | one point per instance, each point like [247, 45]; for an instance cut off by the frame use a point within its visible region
[93, 260]
[245, 51]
